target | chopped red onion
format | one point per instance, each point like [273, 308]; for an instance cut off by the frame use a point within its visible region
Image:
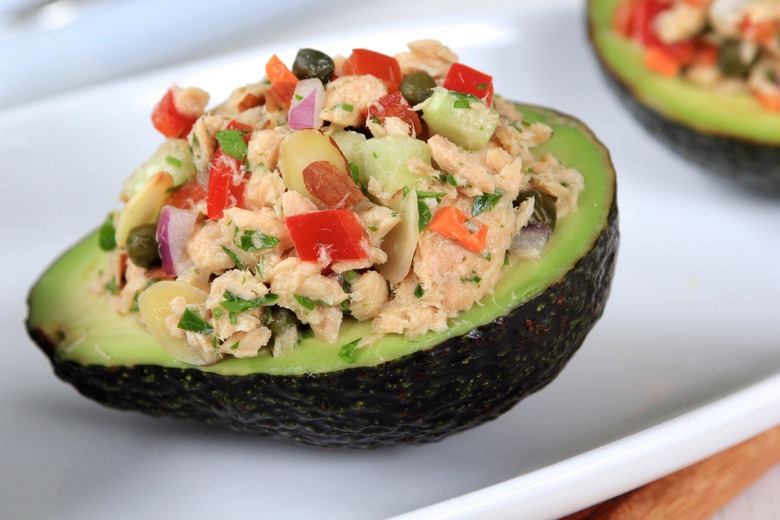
[173, 230]
[306, 105]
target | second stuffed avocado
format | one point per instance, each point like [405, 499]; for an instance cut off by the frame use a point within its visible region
[731, 134]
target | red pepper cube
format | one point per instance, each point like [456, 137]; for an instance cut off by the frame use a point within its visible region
[462, 78]
[169, 121]
[226, 186]
[337, 232]
[395, 105]
[384, 67]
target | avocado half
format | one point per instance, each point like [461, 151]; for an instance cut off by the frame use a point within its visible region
[395, 391]
[730, 135]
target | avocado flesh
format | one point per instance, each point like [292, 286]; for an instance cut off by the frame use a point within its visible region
[396, 390]
[729, 134]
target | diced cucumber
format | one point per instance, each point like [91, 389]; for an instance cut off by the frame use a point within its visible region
[173, 156]
[461, 118]
[348, 142]
[387, 158]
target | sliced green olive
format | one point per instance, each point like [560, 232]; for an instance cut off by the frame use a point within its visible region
[732, 60]
[142, 246]
[311, 63]
[545, 212]
[417, 87]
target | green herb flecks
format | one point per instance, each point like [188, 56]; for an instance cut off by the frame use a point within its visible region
[355, 171]
[485, 202]
[111, 285]
[430, 195]
[253, 240]
[107, 234]
[233, 256]
[232, 143]
[346, 107]
[423, 215]
[193, 323]
[347, 352]
[173, 160]
[233, 303]
[463, 100]
[419, 291]
[449, 179]
[346, 279]
[305, 302]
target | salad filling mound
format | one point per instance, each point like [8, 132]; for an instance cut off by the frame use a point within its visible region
[727, 45]
[388, 189]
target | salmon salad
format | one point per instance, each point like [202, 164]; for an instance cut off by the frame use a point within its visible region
[389, 189]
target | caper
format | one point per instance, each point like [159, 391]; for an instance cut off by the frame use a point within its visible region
[142, 246]
[278, 319]
[417, 87]
[545, 212]
[311, 63]
[732, 59]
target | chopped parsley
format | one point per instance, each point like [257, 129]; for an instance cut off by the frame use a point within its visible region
[111, 285]
[346, 279]
[107, 234]
[347, 352]
[463, 100]
[485, 202]
[355, 171]
[252, 240]
[233, 303]
[193, 323]
[233, 256]
[430, 195]
[449, 179]
[305, 302]
[232, 143]
[173, 160]
[419, 291]
[423, 215]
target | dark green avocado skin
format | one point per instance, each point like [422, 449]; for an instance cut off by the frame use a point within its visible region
[420, 398]
[754, 166]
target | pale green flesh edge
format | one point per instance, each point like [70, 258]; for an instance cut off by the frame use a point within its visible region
[735, 115]
[61, 302]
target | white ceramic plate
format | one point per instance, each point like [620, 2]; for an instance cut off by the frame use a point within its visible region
[684, 363]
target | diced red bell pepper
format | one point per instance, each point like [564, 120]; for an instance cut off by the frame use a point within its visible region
[243, 127]
[169, 121]
[395, 105]
[283, 83]
[462, 78]
[384, 67]
[226, 188]
[187, 195]
[637, 21]
[762, 32]
[336, 231]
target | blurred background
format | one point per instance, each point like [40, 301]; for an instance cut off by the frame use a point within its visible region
[54, 46]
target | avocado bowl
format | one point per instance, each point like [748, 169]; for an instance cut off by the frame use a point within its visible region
[395, 391]
[729, 134]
